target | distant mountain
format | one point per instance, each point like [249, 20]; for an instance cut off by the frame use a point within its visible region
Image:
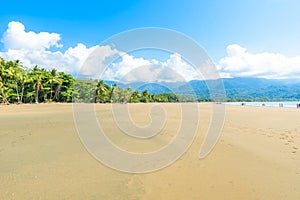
[239, 88]
[262, 88]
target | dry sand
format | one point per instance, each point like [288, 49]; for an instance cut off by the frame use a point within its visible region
[257, 156]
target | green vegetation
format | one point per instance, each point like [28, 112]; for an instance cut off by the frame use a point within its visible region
[19, 84]
[99, 92]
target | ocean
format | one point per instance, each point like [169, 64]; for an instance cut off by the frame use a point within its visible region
[286, 104]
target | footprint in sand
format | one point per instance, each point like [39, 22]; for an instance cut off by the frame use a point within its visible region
[290, 140]
[135, 184]
[286, 136]
[287, 139]
[295, 149]
[282, 136]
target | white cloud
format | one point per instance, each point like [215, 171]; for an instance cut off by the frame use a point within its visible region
[35, 49]
[240, 63]
[176, 63]
[127, 64]
[131, 69]
[97, 60]
[17, 38]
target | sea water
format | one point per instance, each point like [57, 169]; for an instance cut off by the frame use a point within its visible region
[287, 104]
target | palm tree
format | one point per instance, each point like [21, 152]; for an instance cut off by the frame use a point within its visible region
[2, 81]
[145, 96]
[2, 88]
[66, 89]
[102, 92]
[127, 94]
[53, 79]
[135, 97]
[24, 78]
[116, 94]
[112, 91]
[59, 82]
[37, 78]
[14, 71]
[14, 79]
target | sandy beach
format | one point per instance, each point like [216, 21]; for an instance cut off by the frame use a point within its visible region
[256, 157]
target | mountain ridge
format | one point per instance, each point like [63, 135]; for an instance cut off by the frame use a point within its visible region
[238, 87]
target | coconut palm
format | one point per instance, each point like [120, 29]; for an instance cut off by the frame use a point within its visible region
[37, 78]
[2, 81]
[53, 80]
[59, 82]
[116, 94]
[24, 79]
[66, 90]
[23, 85]
[127, 94]
[2, 88]
[135, 97]
[145, 96]
[14, 71]
[102, 92]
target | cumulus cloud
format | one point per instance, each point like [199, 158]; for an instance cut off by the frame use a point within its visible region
[128, 63]
[44, 49]
[17, 38]
[33, 48]
[240, 63]
[175, 62]
[131, 69]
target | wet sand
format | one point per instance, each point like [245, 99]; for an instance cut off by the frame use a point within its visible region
[256, 157]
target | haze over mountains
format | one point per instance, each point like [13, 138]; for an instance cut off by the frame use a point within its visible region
[235, 88]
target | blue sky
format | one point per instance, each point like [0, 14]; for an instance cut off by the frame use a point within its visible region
[255, 26]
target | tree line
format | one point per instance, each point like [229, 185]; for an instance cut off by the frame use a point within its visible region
[20, 84]
[98, 91]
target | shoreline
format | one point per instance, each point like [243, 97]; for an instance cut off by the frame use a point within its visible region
[269, 104]
[274, 104]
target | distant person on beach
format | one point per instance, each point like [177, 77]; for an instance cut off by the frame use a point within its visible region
[281, 105]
